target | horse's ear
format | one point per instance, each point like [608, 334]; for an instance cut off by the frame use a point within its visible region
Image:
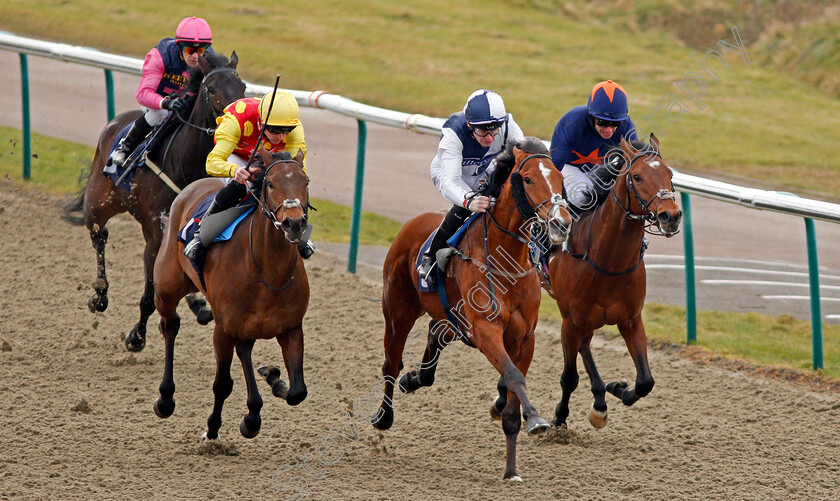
[654, 141]
[299, 156]
[265, 155]
[204, 64]
[234, 60]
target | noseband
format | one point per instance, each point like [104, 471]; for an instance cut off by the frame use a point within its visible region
[652, 225]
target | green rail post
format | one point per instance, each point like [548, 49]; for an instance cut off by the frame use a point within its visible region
[690, 296]
[356, 219]
[816, 311]
[109, 91]
[24, 92]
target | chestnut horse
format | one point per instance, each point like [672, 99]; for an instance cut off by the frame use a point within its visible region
[255, 283]
[600, 278]
[493, 283]
[181, 157]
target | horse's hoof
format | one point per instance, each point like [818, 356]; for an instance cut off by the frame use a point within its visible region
[495, 414]
[294, 398]
[514, 478]
[384, 419]
[597, 419]
[134, 343]
[559, 424]
[205, 438]
[164, 410]
[204, 316]
[537, 426]
[249, 431]
[270, 374]
[97, 303]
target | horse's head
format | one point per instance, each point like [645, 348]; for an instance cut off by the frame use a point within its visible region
[216, 82]
[649, 190]
[536, 187]
[285, 192]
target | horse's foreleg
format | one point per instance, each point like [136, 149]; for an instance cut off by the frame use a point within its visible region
[223, 384]
[250, 423]
[198, 305]
[169, 325]
[571, 340]
[491, 345]
[598, 411]
[635, 338]
[291, 344]
[136, 339]
[99, 300]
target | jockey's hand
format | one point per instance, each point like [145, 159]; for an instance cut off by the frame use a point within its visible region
[480, 204]
[175, 104]
[242, 175]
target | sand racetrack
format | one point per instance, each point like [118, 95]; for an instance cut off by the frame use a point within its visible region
[77, 419]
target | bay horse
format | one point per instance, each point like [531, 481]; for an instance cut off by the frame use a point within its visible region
[600, 279]
[255, 283]
[181, 156]
[493, 283]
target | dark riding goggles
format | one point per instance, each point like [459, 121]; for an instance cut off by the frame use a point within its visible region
[600, 122]
[484, 130]
[280, 129]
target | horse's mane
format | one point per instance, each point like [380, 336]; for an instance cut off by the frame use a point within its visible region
[506, 160]
[195, 75]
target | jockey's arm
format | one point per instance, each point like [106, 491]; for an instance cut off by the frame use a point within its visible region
[227, 137]
[561, 149]
[153, 71]
[450, 156]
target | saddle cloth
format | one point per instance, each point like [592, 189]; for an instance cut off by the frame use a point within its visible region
[113, 171]
[453, 241]
[186, 233]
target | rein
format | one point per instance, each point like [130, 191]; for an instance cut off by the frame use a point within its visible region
[272, 215]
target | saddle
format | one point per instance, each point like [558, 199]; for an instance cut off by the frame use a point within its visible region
[123, 176]
[216, 227]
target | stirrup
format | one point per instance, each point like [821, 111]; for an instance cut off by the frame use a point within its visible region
[424, 271]
[119, 156]
[306, 249]
[193, 249]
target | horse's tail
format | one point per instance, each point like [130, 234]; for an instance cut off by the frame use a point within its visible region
[71, 209]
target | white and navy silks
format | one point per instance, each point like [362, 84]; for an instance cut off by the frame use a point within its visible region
[461, 162]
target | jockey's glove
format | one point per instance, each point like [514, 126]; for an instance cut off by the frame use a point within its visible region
[177, 104]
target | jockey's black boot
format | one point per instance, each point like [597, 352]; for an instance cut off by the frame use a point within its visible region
[194, 249]
[138, 131]
[450, 224]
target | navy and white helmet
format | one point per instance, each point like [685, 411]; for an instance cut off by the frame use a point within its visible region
[485, 110]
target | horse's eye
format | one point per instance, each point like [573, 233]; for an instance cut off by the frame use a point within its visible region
[211, 90]
[268, 183]
[637, 178]
[528, 180]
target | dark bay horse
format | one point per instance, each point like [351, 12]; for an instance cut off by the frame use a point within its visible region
[492, 284]
[181, 156]
[600, 280]
[255, 283]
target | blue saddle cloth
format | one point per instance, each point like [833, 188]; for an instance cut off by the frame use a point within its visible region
[453, 241]
[186, 233]
[115, 172]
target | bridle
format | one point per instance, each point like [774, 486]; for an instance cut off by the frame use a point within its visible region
[285, 205]
[531, 210]
[271, 214]
[652, 225]
[208, 130]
